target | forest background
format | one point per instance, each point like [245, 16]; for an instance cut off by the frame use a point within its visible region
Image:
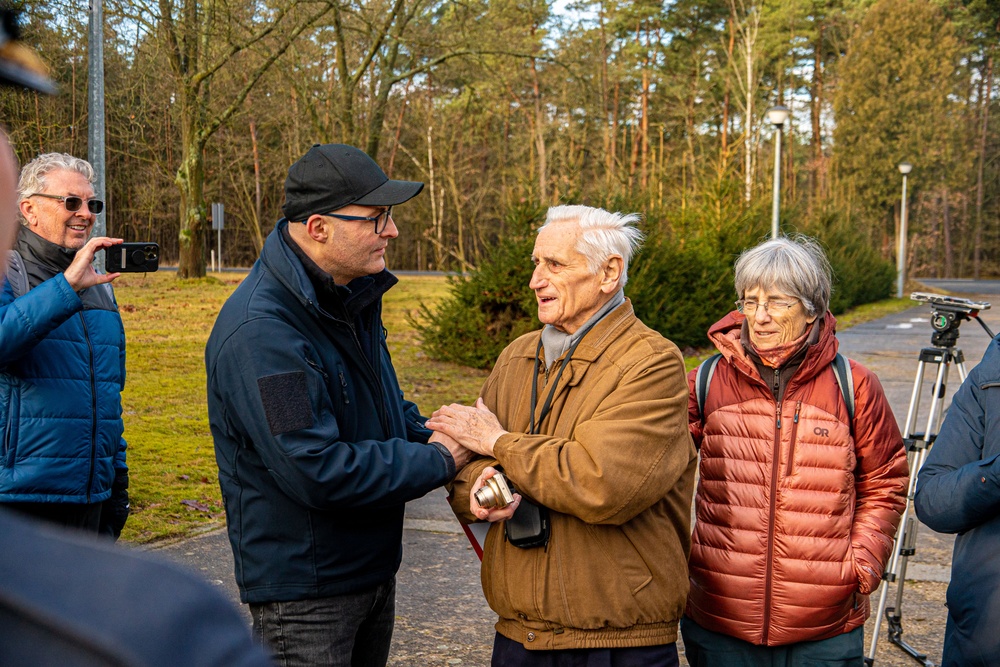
[503, 107]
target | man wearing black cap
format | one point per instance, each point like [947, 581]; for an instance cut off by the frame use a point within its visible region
[317, 450]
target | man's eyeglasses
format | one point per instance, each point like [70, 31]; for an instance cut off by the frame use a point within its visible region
[74, 203]
[770, 307]
[381, 220]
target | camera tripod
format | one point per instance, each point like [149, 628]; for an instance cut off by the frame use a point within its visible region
[947, 313]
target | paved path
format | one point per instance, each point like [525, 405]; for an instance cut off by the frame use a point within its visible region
[442, 618]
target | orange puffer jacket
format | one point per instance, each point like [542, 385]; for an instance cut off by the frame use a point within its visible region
[795, 515]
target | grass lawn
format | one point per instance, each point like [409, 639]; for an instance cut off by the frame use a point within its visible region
[174, 483]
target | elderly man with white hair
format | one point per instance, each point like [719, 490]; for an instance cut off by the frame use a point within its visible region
[587, 419]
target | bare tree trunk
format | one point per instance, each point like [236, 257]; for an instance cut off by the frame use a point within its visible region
[815, 112]
[539, 135]
[977, 243]
[644, 121]
[258, 236]
[949, 265]
[436, 223]
[724, 152]
[403, 103]
[608, 127]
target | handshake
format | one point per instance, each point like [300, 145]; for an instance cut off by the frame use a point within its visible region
[469, 431]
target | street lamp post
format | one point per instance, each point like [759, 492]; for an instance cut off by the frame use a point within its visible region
[904, 168]
[777, 116]
[95, 108]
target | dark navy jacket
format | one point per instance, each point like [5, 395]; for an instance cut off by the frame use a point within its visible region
[958, 491]
[62, 370]
[317, 450]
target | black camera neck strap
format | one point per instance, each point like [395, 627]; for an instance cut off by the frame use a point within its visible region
[535, 426]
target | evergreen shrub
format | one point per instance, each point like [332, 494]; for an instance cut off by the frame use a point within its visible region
[680, 283]
[492, 305]
[860, 274]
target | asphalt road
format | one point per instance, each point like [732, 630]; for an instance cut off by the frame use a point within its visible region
[442, 618]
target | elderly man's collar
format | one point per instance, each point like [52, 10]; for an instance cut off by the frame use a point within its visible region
[555, 342]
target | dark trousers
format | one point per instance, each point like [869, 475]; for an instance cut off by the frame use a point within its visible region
[509, 653]
[69, 515]
[705, 648]
[352, 630]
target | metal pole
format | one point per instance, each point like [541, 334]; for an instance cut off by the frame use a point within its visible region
[219, 235]
[777, 182]
[901, 259]
[95, 113]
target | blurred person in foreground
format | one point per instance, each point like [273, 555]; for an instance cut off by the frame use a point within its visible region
[318, 452]
[797, 504]
[587, 419]
[958, 491]
[66, 599]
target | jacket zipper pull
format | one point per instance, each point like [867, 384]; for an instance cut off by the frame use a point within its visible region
[343, 385]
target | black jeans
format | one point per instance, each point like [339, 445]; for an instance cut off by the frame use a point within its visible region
[352, 630]
[509, 653]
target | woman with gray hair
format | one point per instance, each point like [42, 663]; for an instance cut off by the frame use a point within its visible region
[802, 475]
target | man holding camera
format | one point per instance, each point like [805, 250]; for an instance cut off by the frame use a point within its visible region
[62, 357]
[317, 450]
[588, 420]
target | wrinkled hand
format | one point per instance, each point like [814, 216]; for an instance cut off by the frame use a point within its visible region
[461, 454]
[81, 274]
[492, 515]
[474, 427]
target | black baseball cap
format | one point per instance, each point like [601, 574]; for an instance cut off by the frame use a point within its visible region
[19, 66]
[331, 176]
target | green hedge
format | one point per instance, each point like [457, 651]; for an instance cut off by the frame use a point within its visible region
[681, 282]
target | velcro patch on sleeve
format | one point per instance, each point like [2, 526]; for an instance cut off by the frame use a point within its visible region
[286, 401]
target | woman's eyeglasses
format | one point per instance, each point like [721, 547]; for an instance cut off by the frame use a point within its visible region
[74, 203]
[770, 307]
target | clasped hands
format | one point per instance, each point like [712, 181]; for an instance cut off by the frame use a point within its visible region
[476, 429]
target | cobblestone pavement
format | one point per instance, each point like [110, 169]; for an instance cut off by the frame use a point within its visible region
[442, 618]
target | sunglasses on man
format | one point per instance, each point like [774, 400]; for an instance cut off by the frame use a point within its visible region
[74, 203]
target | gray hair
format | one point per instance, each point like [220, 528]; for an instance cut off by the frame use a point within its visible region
[34, 174]
[796, 266]
[605, 235]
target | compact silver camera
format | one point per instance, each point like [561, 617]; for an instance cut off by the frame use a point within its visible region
[496, 493]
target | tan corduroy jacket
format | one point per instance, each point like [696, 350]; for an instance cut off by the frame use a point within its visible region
[615, 465]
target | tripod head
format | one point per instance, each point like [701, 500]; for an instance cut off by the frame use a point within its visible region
[947, 313]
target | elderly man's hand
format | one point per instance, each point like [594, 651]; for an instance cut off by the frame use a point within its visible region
[461, 454]
[493, 515]
[81, 274]
[474, 427]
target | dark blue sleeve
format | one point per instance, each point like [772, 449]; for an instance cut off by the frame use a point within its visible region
[415, 429]
[28, 319]
[958, 487]
[302, 445]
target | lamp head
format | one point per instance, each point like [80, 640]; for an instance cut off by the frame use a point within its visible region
[778, 115]
[905, 168]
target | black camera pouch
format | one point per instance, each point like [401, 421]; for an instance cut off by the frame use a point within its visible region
[529, 527]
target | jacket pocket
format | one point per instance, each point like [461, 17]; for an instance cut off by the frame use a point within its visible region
[13, 403]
